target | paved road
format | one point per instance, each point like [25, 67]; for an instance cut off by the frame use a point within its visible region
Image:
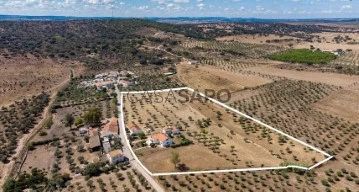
[127, 152]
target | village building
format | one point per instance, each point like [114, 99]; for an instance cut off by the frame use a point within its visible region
[94, 144]
[159, 139]
[135, 130]
[104, 85]
[125, 83]
[192, 62]
[106, 145]
[116, 156]
[171, 131]
[112, 74]
[111, 128]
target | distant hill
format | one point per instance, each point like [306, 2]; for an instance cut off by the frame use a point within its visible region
[249, 20]
[179, 20]
[49, 18]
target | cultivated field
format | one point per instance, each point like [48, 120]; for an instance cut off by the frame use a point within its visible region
[229, 140]
[313, 76]
[279, 40]
[235, 48]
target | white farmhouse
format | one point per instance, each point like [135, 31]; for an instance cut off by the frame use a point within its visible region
[192, 62]
[159, 139]
[135, 130]
[116, 156]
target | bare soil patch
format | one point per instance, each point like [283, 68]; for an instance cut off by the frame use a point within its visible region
[195, 157]
[344, 103]
[42, 158]
[203, 77]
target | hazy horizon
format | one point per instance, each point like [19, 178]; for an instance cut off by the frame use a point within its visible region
[277, 9]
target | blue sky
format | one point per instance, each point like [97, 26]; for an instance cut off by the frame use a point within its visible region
[195, 8]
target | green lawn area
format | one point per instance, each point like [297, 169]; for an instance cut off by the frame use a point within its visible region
[304, 56]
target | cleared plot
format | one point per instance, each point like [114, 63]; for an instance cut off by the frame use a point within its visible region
[42, 158]
[319, 77]
[203, 77]
[233, 139]
[196, 157]
[344, 103]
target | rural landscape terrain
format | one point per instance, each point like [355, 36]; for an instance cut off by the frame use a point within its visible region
[83, 106]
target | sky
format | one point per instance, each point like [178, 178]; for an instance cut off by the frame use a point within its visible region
[184, 8]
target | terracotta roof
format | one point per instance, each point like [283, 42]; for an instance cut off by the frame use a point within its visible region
[134, 128]
[159, 137]
[115, 153]
[112, 126]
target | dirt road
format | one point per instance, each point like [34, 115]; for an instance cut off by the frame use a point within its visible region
[10, 169]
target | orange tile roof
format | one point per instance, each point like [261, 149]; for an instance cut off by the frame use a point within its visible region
[115, 153]
[159, 137]
[134, 128]
[112, 126]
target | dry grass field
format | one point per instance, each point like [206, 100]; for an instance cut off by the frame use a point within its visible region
[203, 77]
[229, 140]
[344, 103]
[23, 77]
[42, 157]
[327, 42]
